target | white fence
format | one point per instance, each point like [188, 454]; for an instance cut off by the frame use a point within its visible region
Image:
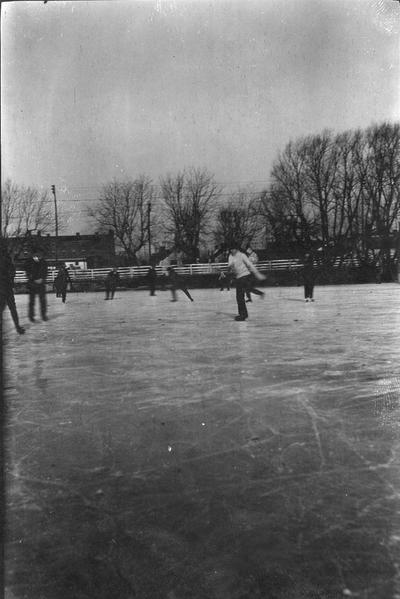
[188, 269]
[141, 271]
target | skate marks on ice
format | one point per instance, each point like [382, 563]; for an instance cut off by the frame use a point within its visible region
[194, 456]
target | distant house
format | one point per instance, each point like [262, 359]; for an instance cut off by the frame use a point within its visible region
[76, 251]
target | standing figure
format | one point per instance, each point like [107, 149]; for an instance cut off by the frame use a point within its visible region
[252, 256]
[7, 274]
[177, 283]
[36, 271]
[240, 265]
[152, 278]
[224, 281]
[111, 282]
[308, 277]
[379, 270]
[61, 282]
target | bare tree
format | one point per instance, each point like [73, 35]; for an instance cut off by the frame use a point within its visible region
[340, 191]
[189, 199]
[291, 216]
[347, 193]
[24, 209]
[124, 207]
[240, 220]
[381, 199]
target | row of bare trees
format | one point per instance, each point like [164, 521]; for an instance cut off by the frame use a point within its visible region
[185, 209]
[182, 211]
[336, 191]
[24, 209]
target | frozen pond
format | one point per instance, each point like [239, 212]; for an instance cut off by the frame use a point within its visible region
[163, 450]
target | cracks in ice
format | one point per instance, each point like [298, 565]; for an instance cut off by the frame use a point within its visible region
[314, 417]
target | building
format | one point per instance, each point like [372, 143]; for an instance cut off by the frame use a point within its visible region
[76, 251]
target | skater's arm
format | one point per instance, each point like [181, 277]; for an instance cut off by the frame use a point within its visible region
[231, 266]
[253, 269]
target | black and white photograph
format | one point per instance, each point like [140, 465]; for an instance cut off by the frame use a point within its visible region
[225, 174]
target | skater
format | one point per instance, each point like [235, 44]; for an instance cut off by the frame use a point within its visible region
[152, 278]
[308, 277]
[379, 271]
[240, 265]
[111, 282]
[224, 281]
[36, 271]
[177, 283]
[61, 282]
[7, 274]
[252, 256]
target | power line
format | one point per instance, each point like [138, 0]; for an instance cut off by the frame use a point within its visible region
[160, 197]
[233, 182]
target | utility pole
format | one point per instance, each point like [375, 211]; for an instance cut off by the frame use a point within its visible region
[148, 228]
[53, 189]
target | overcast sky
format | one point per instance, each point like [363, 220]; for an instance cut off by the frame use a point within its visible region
[93, 91]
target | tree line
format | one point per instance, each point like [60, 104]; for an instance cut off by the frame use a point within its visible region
[338, 192]
[183, 213]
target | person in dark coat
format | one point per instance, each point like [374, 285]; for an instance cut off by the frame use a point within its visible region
[111, 282]
[36, 271]
[224, 281]
[61, 282]
[152, 278]
[176, 283]
[379, 271]
[7, 274]
[308, 277]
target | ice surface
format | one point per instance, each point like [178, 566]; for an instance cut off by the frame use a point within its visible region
[163, 450]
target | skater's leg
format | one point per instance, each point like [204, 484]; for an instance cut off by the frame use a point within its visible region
[256, 291]
[14, 313]
[13, 308]
[43, 301]
[252, 289]
[241, 285]
[186, 292]
[173, 293]
[308, 287]
[9, 299]
[31, 305]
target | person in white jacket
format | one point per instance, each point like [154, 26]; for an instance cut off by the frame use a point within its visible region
[243, 269]
[252, 256]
